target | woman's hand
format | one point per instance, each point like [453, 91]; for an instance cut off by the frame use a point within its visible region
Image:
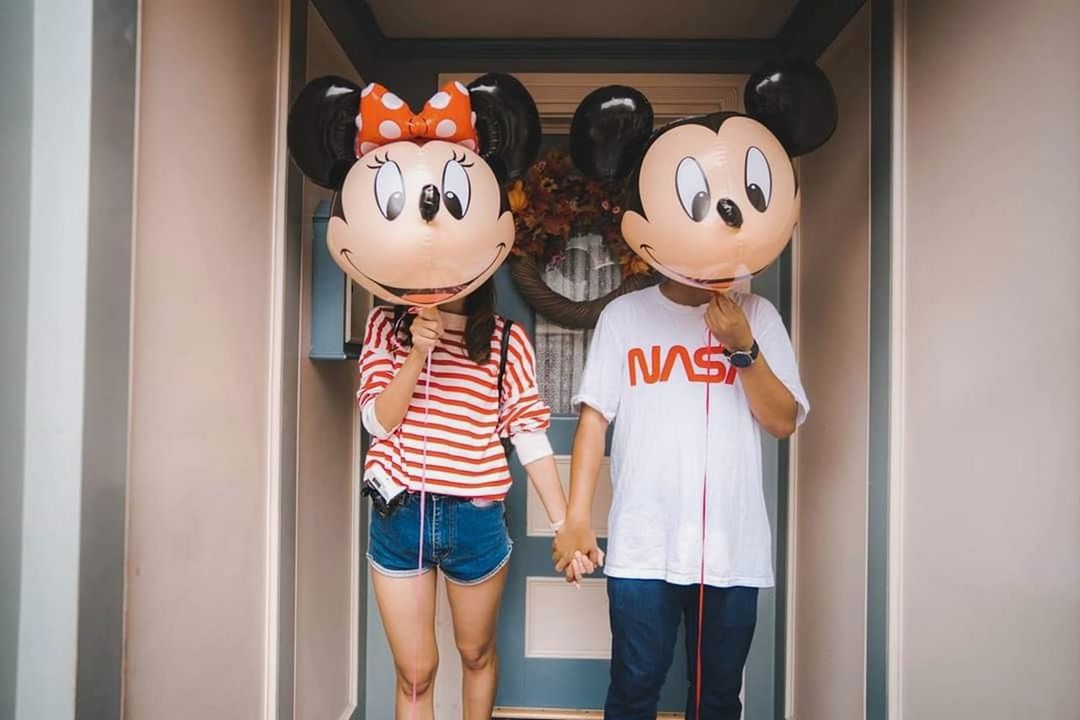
[427, 328]
[579, 567]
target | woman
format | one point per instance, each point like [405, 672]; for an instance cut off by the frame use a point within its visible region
[441, 433]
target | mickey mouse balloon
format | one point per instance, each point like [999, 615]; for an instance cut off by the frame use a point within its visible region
[421, 217]
[712, 199]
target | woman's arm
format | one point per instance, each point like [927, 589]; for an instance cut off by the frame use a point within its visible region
[545, 478]
[393, 402]
[526, 418]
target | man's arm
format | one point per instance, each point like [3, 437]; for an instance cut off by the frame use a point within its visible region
[588, 452]
[771, 403]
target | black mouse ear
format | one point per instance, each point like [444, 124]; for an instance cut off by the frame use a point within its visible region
[795, 100]
[507, 124]
[322, 130]
[609, 132]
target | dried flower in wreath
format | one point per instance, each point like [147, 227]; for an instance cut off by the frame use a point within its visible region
[552, 205]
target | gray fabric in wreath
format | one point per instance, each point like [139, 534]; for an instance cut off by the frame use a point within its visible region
[579, 315]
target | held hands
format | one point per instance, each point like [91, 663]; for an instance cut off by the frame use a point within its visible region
[575, 551]
[427, 328]
[728, 323]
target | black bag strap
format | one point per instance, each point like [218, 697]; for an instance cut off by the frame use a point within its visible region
[504, 346]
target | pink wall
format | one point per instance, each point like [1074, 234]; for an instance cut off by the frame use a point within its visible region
[200, 374]
[831, 461]
[327, 585]
[989, 495]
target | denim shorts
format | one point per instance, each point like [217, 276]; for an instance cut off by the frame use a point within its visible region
[466, 539]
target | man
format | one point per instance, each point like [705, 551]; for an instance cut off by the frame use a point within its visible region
[692, 377]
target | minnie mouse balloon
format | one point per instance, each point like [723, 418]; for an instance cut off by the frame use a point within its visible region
[421, 217]
[713, 199]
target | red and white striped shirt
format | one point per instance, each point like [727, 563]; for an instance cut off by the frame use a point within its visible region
[465, 456]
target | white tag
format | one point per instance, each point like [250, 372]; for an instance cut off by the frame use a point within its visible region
[377, 479]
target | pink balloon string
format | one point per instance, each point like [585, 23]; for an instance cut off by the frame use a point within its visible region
[420, 553]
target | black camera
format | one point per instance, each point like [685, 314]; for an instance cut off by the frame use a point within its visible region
[386, 495]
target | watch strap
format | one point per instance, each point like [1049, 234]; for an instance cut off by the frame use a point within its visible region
[752, 352]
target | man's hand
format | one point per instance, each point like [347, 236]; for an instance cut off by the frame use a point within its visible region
[427, 328]
[728, 323]
[575, 551]
[771, 403]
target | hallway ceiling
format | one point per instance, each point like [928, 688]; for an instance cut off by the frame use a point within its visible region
[638, 19]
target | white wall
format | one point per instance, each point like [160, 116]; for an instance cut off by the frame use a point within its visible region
[829, 556]
[200, 484]
[56, 307]
[67, 78]
[989, 503]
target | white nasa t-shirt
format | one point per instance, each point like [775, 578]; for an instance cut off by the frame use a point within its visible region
[646, 370]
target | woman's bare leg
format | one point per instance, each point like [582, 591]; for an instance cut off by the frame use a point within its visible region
[475, 610]
[406, 624]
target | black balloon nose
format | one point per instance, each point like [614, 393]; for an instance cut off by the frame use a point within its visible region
[429, 202]
[729, 212]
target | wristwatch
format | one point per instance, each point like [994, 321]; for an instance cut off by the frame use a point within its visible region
[743, 358]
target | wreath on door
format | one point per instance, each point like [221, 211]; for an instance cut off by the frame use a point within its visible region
[553, 204]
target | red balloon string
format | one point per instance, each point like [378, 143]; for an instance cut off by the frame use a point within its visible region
[420, 553]
[704, 498]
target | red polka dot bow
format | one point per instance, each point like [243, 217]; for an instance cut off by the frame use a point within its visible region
[385, 118]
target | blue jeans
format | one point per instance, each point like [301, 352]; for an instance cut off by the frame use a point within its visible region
[466, 539]
[645, 617]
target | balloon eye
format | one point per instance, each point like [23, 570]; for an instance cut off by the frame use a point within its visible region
[389, 190]
[758, 179]
[456, 188]
[693, 189]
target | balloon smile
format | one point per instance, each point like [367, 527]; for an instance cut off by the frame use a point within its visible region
[424, 296]
[711, 283]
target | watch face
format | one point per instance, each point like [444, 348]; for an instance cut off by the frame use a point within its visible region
[741, 359]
